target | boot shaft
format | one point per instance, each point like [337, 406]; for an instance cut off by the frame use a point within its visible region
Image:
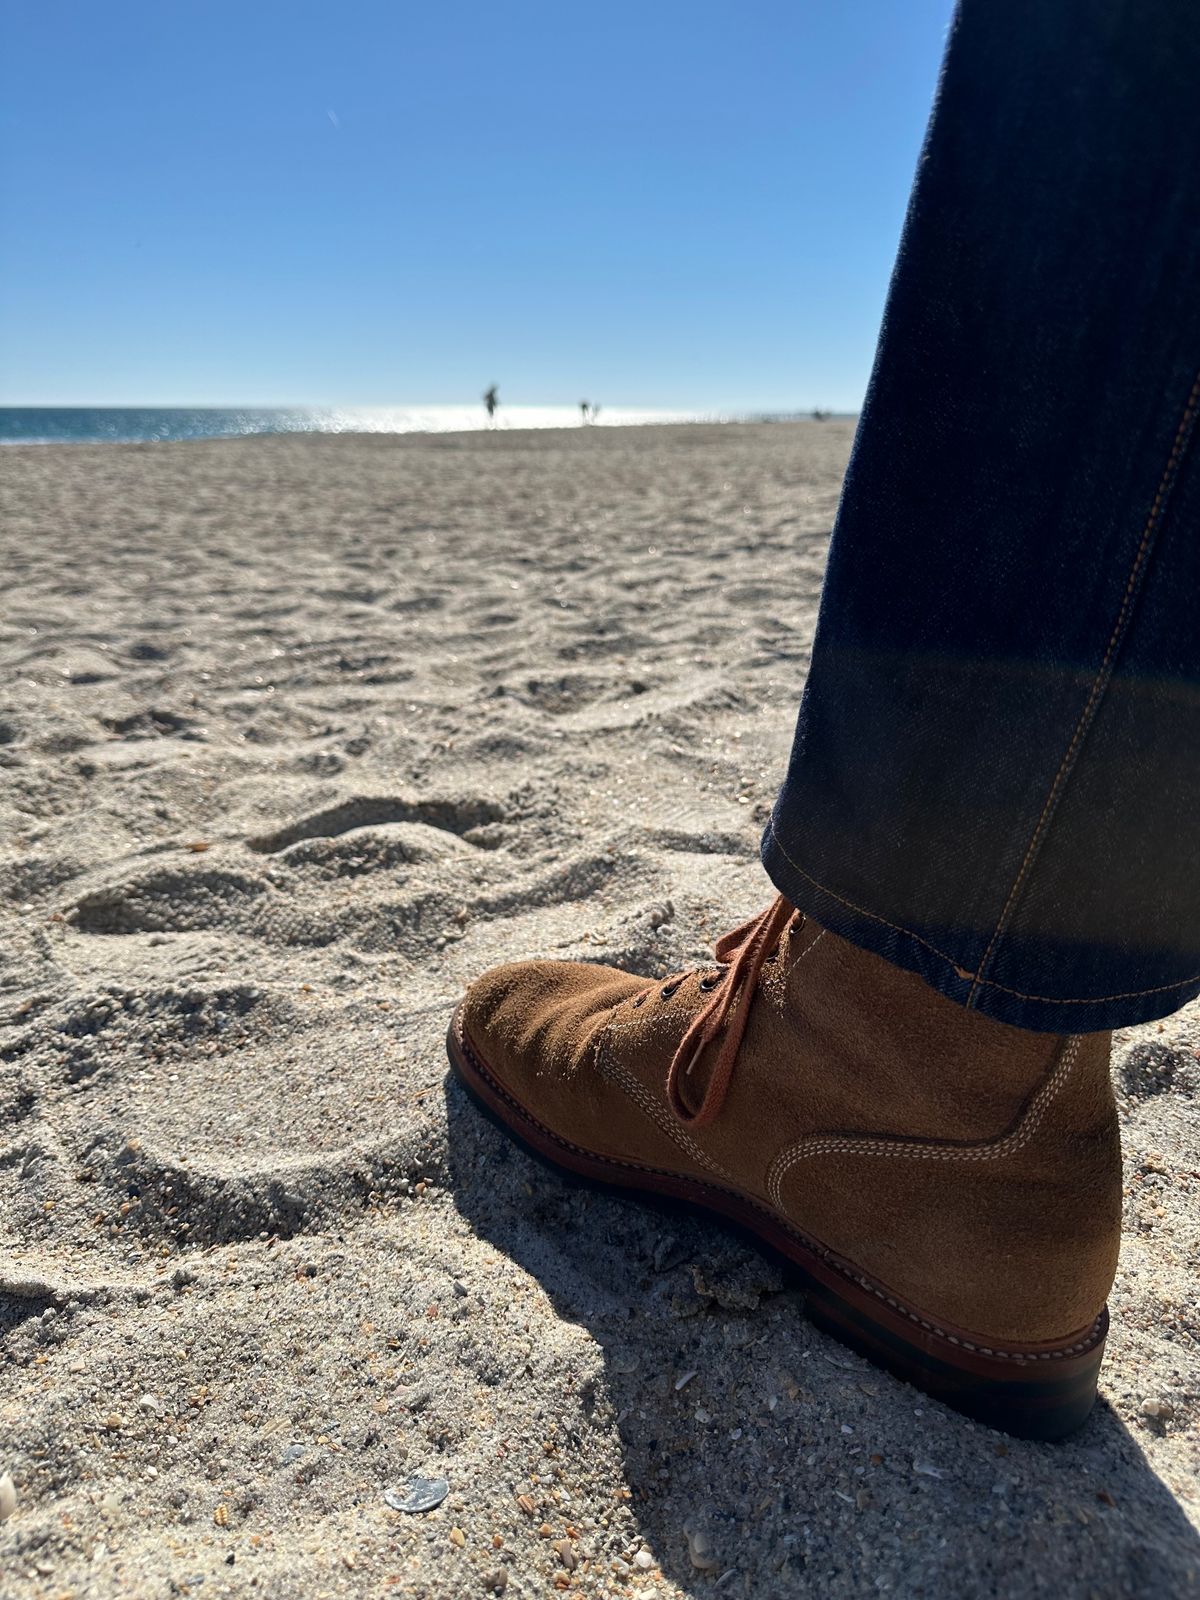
[973, 1169]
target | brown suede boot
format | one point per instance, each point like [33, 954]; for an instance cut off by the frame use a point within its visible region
[951, 1187]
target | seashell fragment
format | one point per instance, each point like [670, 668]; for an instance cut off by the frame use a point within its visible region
[421, 1494]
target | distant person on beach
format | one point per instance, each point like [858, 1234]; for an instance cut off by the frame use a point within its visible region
[986, 849]
[491, 400]
[585, 411]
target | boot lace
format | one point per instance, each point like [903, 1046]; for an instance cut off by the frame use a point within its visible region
[741, 952]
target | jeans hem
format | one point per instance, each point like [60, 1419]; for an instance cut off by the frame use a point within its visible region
[907, 948]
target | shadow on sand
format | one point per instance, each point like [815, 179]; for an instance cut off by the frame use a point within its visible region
[804, 1469]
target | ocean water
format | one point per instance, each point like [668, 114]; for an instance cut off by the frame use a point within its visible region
[104, 424]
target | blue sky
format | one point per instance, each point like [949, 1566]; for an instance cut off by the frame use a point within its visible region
[649, 202]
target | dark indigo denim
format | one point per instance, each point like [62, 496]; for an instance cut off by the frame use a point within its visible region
[995, 780]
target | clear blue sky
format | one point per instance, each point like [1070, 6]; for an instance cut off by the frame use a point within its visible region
[649, 202]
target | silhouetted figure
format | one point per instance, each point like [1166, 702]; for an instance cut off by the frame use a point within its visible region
[585, 411]
[491, 400]
[819, 415]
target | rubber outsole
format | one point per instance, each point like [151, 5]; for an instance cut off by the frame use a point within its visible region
[1039, 1391]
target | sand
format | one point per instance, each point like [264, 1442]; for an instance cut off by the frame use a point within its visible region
[296, 736]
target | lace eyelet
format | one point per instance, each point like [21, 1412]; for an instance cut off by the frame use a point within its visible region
[639, 1000]
[711, 981]
[668, 989]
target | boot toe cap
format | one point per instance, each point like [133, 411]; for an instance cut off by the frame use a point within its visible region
[527, 1018]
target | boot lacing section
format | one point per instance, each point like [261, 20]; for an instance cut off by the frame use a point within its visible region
[742, 952]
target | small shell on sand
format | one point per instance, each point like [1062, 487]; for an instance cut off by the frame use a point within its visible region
[8, 1497]
[700, 1549]
[420, 1494]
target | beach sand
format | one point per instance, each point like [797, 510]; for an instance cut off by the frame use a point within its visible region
[297, 735]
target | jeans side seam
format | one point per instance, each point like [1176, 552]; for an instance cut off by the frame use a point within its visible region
[1100, 683]
[982, 983]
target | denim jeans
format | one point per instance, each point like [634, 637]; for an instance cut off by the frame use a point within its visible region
[995, 780]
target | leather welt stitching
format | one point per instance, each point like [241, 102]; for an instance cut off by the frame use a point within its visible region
[807, 951]
[662, 1118]
[866, 1145]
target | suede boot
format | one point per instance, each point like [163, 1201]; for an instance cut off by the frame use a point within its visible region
[949, 1187]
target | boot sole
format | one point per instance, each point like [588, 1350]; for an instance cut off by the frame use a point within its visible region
[1038, 1391]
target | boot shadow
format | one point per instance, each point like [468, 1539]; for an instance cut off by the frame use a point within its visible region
[764, 1459]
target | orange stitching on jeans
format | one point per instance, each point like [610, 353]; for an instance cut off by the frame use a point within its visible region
[982, 983]
[849, 904]
[1103, 676]
[1089, 1000]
